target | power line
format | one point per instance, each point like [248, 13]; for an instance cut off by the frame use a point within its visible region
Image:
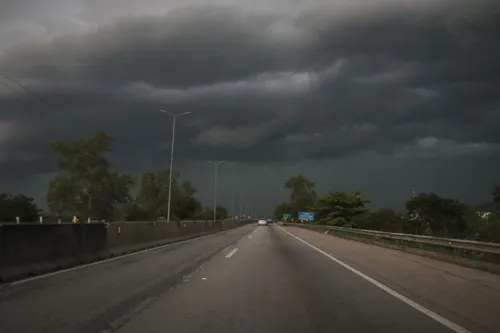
[36, 95]
[5, 84]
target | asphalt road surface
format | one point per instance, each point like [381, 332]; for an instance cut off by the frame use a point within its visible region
[248, 279]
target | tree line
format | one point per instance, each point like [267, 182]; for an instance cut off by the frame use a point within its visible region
[425, 214]
[87, 186]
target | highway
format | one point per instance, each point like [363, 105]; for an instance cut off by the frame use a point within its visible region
[257, 279]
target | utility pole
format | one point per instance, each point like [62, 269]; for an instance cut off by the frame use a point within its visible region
[216, 164]
[171, 158]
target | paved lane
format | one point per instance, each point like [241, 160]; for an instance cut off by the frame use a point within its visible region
[464, 295]
[271, 282]
[249, 279]
[90, 299]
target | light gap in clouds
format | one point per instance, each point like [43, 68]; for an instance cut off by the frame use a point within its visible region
[272, 83]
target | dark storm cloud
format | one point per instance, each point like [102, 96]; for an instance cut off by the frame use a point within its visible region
[188, 47]
[263, 87]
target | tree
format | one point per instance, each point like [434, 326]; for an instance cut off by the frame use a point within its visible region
[185, 205]
[63, 196]
[153, 196]
[339, 208]
[383, 219]
[496, 192]
[116, 199]
[153, 192]
[12, 206]
[221, 213]
[437, 216]
[302, 195]
[282, 208]
[208, 214]
[84, 185]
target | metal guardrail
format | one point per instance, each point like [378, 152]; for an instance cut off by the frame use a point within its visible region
[462, 244]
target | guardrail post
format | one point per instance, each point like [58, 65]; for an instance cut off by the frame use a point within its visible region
[18, 220]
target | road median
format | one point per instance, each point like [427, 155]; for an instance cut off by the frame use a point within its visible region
[28, 250]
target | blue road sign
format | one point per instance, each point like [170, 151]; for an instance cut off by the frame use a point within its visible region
[306, 215]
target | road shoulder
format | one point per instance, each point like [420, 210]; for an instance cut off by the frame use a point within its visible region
[464, 295]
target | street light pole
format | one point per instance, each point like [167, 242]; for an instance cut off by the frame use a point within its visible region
[216, 164]
[171, 159]
[249, 203]
[241, 203]
[232, 203]
[233, 212]
[170, 170]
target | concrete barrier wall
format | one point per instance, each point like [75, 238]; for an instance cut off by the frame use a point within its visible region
[29, 249]
[34, 249]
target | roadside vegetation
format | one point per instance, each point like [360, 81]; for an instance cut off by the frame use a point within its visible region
[87, 185]
[425, 213]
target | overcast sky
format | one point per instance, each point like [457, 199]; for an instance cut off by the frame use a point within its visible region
[376, 95]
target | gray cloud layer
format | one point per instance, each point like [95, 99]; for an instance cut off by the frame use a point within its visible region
[331, 81]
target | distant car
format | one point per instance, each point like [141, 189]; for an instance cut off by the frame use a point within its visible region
[269, 220]
[262, 222]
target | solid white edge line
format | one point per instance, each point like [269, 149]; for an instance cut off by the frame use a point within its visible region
[230, 254]
[98, 262]
[91, 264]
[440, 319]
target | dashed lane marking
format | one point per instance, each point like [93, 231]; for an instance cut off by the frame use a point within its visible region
[230, 254]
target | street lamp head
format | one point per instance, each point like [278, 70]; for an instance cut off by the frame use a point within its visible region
[174, 115]
[165, 111]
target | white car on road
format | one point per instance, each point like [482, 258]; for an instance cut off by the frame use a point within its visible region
[262, 222]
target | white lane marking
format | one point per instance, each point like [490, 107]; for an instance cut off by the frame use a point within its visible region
[103, 261]
[249, 237]
[225, 249]
[203, 278]
[92, 264]
[124, 319]
[440, 319]
[230, 254]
